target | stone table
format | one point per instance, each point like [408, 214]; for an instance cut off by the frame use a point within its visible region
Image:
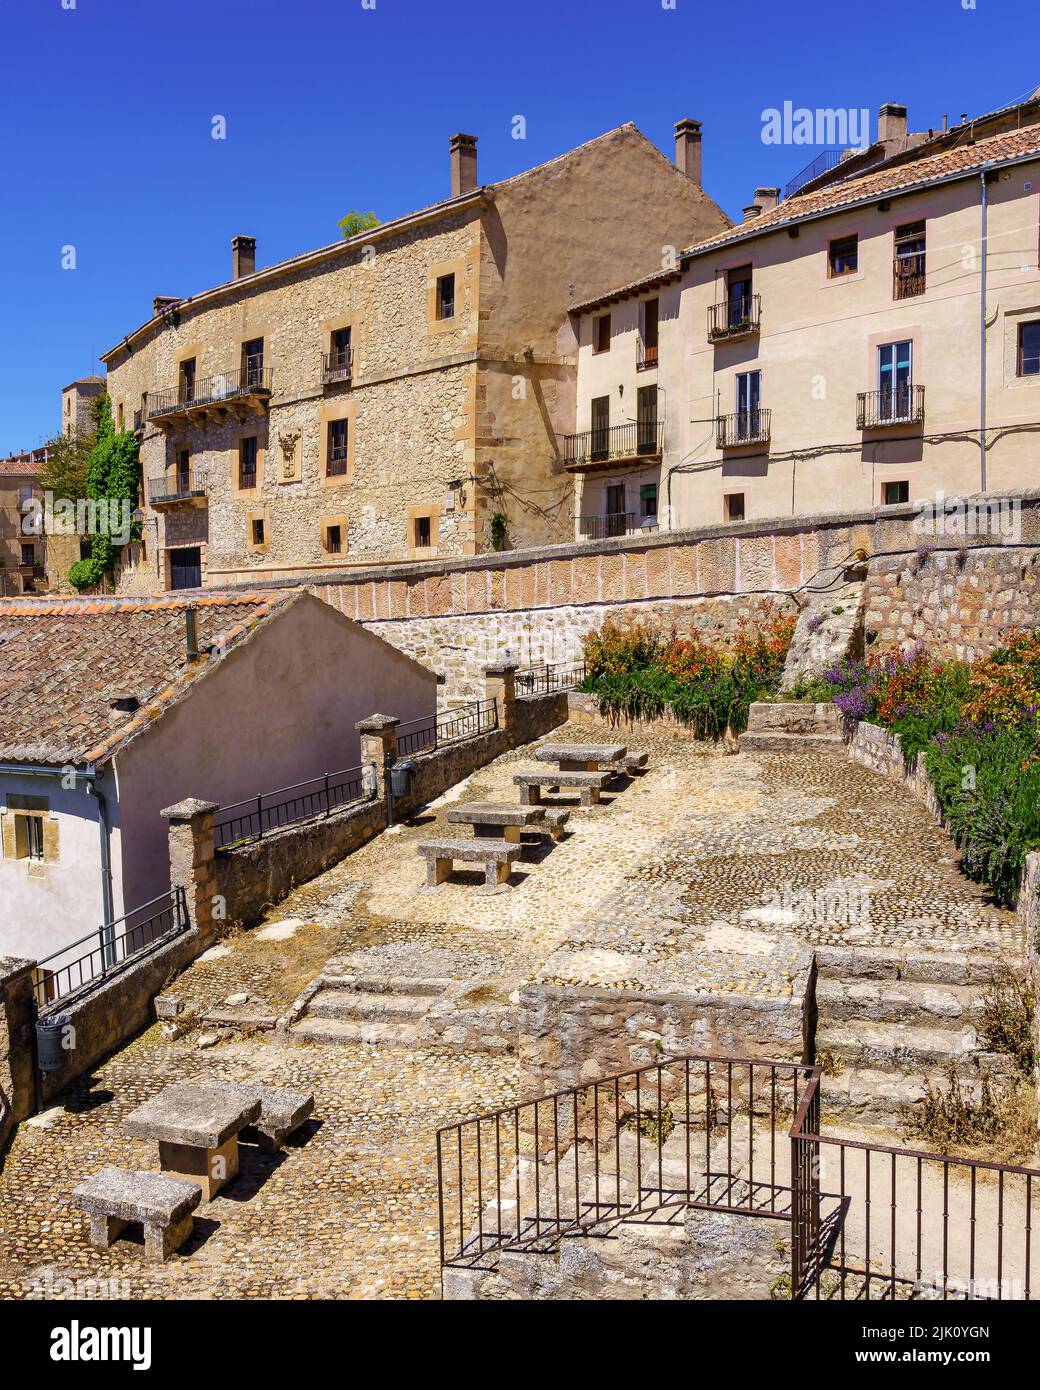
[196, 1127]
[498, 819]
[581, 757]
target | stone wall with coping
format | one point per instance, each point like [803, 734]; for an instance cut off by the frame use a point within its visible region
[17, 1095]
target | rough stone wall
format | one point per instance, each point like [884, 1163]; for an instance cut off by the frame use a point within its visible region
[16, 1052]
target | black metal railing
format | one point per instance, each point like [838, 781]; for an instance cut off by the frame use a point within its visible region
[741, 1136]
[450, 726]
[57, 980]
[544, 680]
[337, 366]
[259, 815]
[908, 277]
[898, 405]
[744, 427]
[647, 357]
[224, 386]
[734, 317]
[638, 439]
[704, 1132]
[598, 528]
[176, 484]
[822, 164]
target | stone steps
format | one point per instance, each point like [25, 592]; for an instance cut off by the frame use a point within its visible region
[344, 1031]
[894, 1046]
[896, 1001]
[928, 967]
[771, 742]
[360, 1007]
[877, 1096]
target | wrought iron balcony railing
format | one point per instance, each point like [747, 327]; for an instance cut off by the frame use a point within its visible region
[735, 317]
[177, 485]
[598, 528]
[908, 277]
[616, 444]
[337, 366]
[245, 382]
[744, 427]
[647, 358]
[897, 405]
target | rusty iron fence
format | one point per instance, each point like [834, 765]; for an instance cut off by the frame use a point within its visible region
[743, 1136]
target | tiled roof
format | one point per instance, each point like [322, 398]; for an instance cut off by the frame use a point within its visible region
[21, 467]
[63, 662]
[645, 282]
[1012, 144]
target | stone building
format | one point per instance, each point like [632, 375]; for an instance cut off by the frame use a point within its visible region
[76, 401]
[398, 394]
[21, 553]
[828, 353]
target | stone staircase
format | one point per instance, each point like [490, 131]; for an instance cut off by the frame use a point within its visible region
[344, 1006]
[888, 1020]
[793, 727]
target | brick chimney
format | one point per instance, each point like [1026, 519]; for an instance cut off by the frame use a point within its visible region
[688, 149]
[463, 164]
[766, 198]
[243, 256]
[891, 121]
[751, 212]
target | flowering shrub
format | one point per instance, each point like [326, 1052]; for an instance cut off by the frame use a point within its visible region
[1004, 689]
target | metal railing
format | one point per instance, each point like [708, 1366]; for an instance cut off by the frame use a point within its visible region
[337, 366]
[638, 439]
[450, 726]
[732, 318]
[258, 816]
[745, 427]
[112, 948]
[177, 484]
[598, 528]
[822, 164]
[647, 357]
[544, 680]
[224, 386]
[741, 1136]
[908, 276]
[900, 405]
[707, 1132]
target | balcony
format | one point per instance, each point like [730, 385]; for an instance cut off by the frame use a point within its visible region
[734, 318]
[629, 443]
[176, 487]
[337, 366]
[744, 428]
[647, 359]
[908, 277]
[238, 392]
[880, 410]
[600, 528]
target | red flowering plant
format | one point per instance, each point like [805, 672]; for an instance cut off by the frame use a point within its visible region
[1004, 688]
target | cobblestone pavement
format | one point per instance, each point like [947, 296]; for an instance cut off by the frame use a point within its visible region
[684, 867]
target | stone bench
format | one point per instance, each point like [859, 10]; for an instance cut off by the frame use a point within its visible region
[501, 820]
[629, 763]
[580, 757]
[496, 855]
[162, 1206]
[588, 784]
[282, 1112]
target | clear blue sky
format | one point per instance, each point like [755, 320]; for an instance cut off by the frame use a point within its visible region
[107, 109]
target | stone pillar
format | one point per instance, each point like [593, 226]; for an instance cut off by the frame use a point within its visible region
[17, 1015]
[192, 859]
[378, 748]
[500, 685]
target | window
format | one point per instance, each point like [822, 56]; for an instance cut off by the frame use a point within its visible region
[648, 342]
[186, 380]
[247, 454]
[28, 553]
[843, 256]
[25, 495]
[600, 441]
[601, 333]
[256, 530]
[733, 506]
[895, 381]
[336, 465]
[33, 836]
[339, 357]
[86, 548]
[646, 420]
[738, 297]
[749, 398]
[1029, 348]
[119, 416]
[423, 533]
[446, 296]
[334, 540]
[253, 363]
[648, 502]
[29, 832]
[891, 493]
[186, 567]
[182, 471]
[908, 267]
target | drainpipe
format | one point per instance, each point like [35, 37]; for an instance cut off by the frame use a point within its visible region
[982, 332]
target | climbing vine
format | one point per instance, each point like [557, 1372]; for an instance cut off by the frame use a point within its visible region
[113, 483]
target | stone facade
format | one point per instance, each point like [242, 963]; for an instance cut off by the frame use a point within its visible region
[450, 417]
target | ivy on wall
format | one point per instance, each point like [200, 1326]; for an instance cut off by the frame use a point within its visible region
[113, 483]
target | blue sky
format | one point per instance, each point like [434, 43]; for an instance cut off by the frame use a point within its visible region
[107, 111]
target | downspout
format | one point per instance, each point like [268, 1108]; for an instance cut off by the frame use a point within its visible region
[107, 909]
[982, 333]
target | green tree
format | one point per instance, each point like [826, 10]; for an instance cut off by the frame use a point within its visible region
[355, 222]
[67, 457]
[113, 481]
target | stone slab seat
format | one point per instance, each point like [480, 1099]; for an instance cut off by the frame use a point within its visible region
[497, 819]
[118, 1197]
[282, 1112]
[631, 762]
[588, 784]
[496, 855]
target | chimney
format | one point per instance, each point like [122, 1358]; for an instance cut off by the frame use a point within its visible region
[688, 149]
[751, 212]
[163, 301]
[463, 164]
[766, 198]
[191, 633]
[243, 256]
[891, 121]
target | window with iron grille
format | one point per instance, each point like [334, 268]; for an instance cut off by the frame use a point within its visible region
[247, 453]
[1029, 348]
[34, 837]
[908, 268]
[446, 296]
[843, 256]
[256, 528]
[253, 362]
[340, 355]
[336, 465]
[334, 540]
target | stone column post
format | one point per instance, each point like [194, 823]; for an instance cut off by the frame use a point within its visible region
[500, 685]
[378, 748]
[17, 1019]
[192, 859]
